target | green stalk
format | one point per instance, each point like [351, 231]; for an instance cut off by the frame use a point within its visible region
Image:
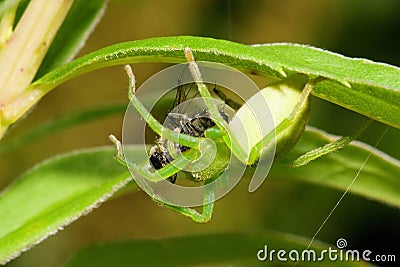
[23, 53]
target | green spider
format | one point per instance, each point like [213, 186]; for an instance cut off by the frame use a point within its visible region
[288, 101]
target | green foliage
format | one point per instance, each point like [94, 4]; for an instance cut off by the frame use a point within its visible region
[222, 249]
[74, 31]
[55, 193]
[60, 190]
[377, 180]
[369, 88]
[62, 123]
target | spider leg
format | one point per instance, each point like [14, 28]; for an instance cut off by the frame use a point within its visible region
[204, 216]
[315, 153]
[282, 129]
[174, 167]
[330, 147]
[161, 174]
[231, 142]
[233, 104]
[180, 138]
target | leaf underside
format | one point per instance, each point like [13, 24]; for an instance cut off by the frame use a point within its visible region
[370, 88]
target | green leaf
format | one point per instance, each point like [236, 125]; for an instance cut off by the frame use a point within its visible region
[370, 88]
[62, 123]
[379, 179]
[22, 5]
[76, 28]
[203, 250]
[54, 194]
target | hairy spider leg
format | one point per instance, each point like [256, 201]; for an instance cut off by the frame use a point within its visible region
[206, 213]
[330, 147]
[285, 124]
[230, 139]
[158, 128]
[233, 104]
[172, 168]
[255, 151]
[231, 142]
[161, 174]
[175, 166]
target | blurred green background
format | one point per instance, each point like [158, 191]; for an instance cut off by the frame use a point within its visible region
[357, 28]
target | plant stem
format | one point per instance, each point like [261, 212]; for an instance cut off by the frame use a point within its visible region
[6, 23]
[23, 53]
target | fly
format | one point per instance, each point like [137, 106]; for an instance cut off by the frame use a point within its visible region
[179, 121]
